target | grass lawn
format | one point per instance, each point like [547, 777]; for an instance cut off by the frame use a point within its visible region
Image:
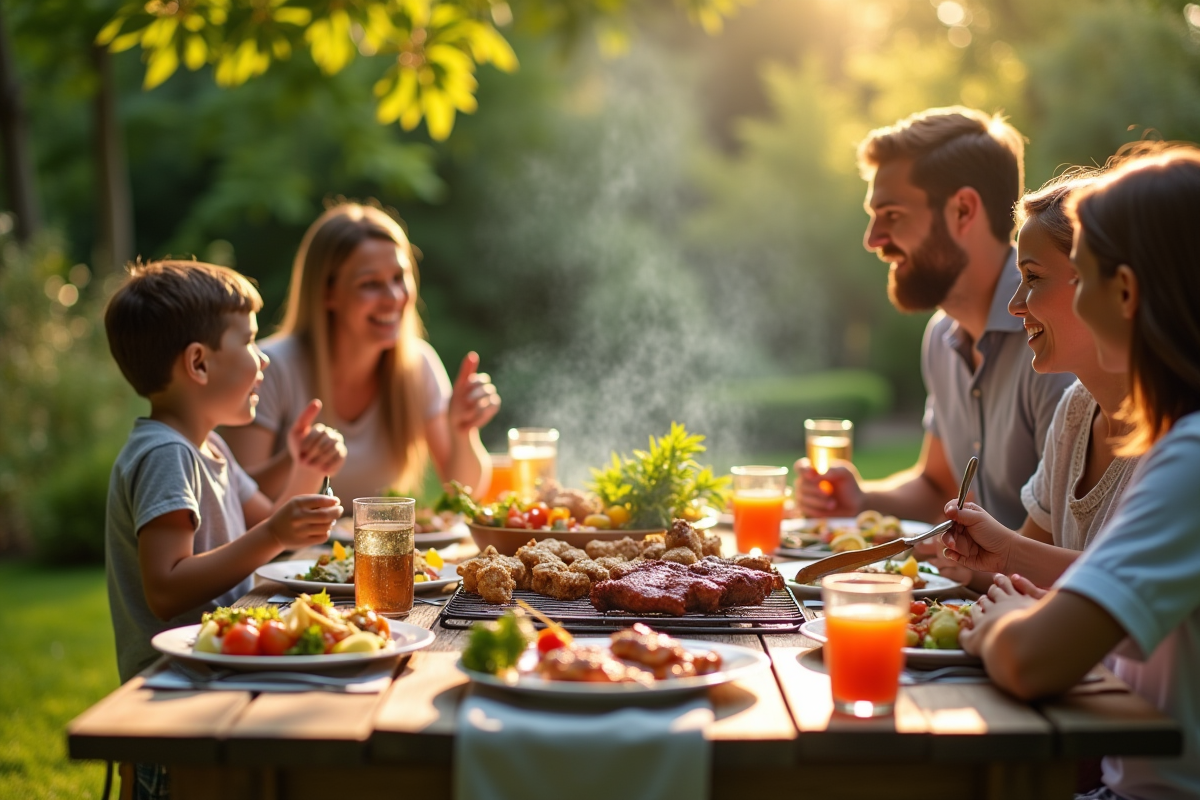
[59, 660]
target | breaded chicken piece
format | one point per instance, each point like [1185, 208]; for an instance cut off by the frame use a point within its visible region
[533, 553]
[608, 562]
[653, 550]
[572, 554]
[556, 546]
[681, 555]
[682, 534]
[626, 548]
[593, 569]
[761, 564]
[495, 584]
[711, 545]
[557, 581]
[469, 570]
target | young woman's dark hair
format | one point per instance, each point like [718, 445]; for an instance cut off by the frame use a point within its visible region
[1143, 214]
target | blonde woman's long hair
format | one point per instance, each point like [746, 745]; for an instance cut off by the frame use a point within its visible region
[326, 246]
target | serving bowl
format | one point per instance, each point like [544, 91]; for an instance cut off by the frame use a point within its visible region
[508, 540]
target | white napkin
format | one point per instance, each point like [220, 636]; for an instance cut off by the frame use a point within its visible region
[515, 749]
[370, 679]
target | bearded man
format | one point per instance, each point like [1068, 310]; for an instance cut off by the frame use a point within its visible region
[941, 189]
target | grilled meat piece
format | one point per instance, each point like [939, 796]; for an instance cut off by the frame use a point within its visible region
[762, 564]
[589, 665]
[469, 570]
[495, 584]
[557, 581]
[740, 586]
[712, 546]
[533, 553]
[626, 548]
[680, 555]
[656, 587]
[593, 569]
[682, 534]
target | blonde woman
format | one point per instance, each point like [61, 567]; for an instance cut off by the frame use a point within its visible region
[352, 349]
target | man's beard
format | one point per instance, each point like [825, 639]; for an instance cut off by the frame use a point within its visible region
[931, 271]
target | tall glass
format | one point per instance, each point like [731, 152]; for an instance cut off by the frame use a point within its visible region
[383, 554]
[534, 453]
[758, 494]
[826, 441]
[502, 477]
[866, 617]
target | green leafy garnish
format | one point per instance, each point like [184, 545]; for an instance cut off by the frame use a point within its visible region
[496, 646]
[660, 483]
[310, 643]
[458, 500]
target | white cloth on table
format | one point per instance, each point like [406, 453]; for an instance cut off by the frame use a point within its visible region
[514, 749]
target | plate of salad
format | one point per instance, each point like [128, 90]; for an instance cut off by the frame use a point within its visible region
[817, 538]
[311, 632]
[933, 630]
[334, 572]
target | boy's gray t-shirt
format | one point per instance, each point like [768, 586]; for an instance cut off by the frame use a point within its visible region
[159, 471]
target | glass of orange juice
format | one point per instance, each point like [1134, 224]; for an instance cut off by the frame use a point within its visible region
[502, 477]
[758, 494]
[534, 453]
[827, 441]
[866, 616]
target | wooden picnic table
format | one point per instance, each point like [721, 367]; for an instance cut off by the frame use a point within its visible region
[773, 733]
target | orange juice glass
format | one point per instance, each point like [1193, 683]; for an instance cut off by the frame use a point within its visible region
[758, 494]
[502, 477]
[865, 621]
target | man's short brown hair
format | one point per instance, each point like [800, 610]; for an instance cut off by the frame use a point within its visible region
[951, 148]
[163, 307]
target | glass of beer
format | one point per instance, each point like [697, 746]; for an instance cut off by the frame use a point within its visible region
[502, 477]
[383, 554]
[866, 616]
[758, 495]
[827, 441]
[534, 453]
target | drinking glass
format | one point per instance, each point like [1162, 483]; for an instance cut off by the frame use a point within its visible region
[827, 440]
[866, 617]
[383, 554]
[534, 453]
[502, 477]
[758, 495]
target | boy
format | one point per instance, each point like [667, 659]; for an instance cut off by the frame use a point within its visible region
[186, 526]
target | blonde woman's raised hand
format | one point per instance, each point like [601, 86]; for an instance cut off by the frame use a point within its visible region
[475, 400]
[315, 446]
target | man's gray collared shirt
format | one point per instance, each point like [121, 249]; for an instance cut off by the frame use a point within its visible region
[999, 412]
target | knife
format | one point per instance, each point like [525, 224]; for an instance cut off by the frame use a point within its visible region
[853, 559]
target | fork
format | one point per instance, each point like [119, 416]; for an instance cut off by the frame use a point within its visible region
[218, 675]
[953, 671]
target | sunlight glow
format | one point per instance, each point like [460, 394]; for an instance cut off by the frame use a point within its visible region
[1191, 12]
[951, 13]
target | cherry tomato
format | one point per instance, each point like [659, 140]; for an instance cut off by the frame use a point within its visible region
[273, 639]
[549, 640]
[537, 517]
[240, 640]
[919, 607]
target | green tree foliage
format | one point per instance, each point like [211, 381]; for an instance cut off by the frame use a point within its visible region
[431, 48]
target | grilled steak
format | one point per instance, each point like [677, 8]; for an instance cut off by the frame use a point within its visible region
[669, 588]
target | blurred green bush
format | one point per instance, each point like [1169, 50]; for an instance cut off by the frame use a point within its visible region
[64, 410]
[776, 407]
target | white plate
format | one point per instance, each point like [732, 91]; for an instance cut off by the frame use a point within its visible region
[178, 642]
[737, 662]
[917, 657]
[907, 526]
[285, 572]
[343, 531]
[935, 584]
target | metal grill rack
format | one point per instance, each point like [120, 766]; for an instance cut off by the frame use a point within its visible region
[779, 613]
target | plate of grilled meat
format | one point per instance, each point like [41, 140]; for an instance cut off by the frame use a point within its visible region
[632, 661]
[676, 573]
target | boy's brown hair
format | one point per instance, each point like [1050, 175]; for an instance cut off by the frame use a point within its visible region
[951, 148]
[1143, 215]
[166, 305]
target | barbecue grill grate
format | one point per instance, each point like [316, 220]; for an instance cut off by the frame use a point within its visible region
[779, 613]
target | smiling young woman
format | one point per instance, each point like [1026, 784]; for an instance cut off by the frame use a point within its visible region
[352, 336]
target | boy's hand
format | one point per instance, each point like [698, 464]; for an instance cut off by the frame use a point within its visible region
[304, 520]
[313, 446]
[475, 400]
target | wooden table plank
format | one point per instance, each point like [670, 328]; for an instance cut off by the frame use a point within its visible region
[1092, 724]
[303, 728]
[144, 725]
